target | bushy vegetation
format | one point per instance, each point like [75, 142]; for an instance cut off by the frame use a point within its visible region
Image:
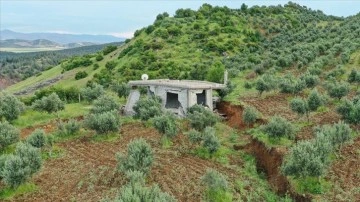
[147, 108]
[139, 157]
[122, 89]
[92, 92]
[8, 134]
[81, 75]
[19, 66]
[37, 138]
[216, 186]
[166, 124]
[250, 114]
[337, 134]
[22, 165]
[69, 128]
[350, 110]
[49, 104]
[312, 157]
[105, 103]
[279, 127]
[76, 62]
[200, 118]
[108, 49]
[337, 89]
[210, 140]
[10, 107]
[104, 122]
[68, 95]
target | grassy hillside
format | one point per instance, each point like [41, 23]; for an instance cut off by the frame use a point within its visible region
[19, 66]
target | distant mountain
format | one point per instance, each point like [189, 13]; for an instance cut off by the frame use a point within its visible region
[60, 38]
[39, 43]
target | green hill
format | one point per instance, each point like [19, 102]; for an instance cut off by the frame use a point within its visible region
[277, 58]
[191, 43]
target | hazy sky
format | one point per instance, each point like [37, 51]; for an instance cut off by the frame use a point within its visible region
[122, 18]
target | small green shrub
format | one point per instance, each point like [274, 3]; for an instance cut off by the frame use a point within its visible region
[105, 103]
[31, 157]
[8, 134]
[338, 89]
[92, 92]
[250, 114]
[81, 75]
[299, 106]
[110, 65]
[10, 107]
[37, 138]
[211, 141]
[307, 158]
[315, 100]
[147, 108]
[21, 166]
[166, 124]
[217, 186]
[139, 157]
[99, 57]
[122, 90]
[200, 117]
[103, 122]
[108, 49]
[49, 104]
[338, 133]
[138, 192]
[194, 136]
[70, 127]
[279, 127]
[350, 110]
[13, 172]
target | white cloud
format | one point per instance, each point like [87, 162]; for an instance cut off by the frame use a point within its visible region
[123, 34]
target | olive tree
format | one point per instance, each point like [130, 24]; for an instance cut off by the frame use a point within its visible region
[300, 106]
[8, 134]
[279, 127]
[92, 92]
[37, 138]
[315, 100]
[139, 157]
[350, 110]
[166, 124]
[216, 186]
[105, 103]
[210, 140]
[338, 89]
[22, 165]
[103, 122]
[10, 107]
[200, 118]
[122, 89]
[250, 114]
[307, 158]
[147, 108]
[49, 104]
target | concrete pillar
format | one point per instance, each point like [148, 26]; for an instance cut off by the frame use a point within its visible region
[209, 101]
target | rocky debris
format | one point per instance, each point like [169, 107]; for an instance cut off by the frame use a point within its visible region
[37, 86]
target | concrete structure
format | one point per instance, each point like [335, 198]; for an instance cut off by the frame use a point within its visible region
[176, 95]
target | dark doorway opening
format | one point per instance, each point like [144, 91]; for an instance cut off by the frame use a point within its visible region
[201, 98]
[172, 100]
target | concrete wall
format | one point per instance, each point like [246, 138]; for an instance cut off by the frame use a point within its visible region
[186, 98]
[161, 91]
